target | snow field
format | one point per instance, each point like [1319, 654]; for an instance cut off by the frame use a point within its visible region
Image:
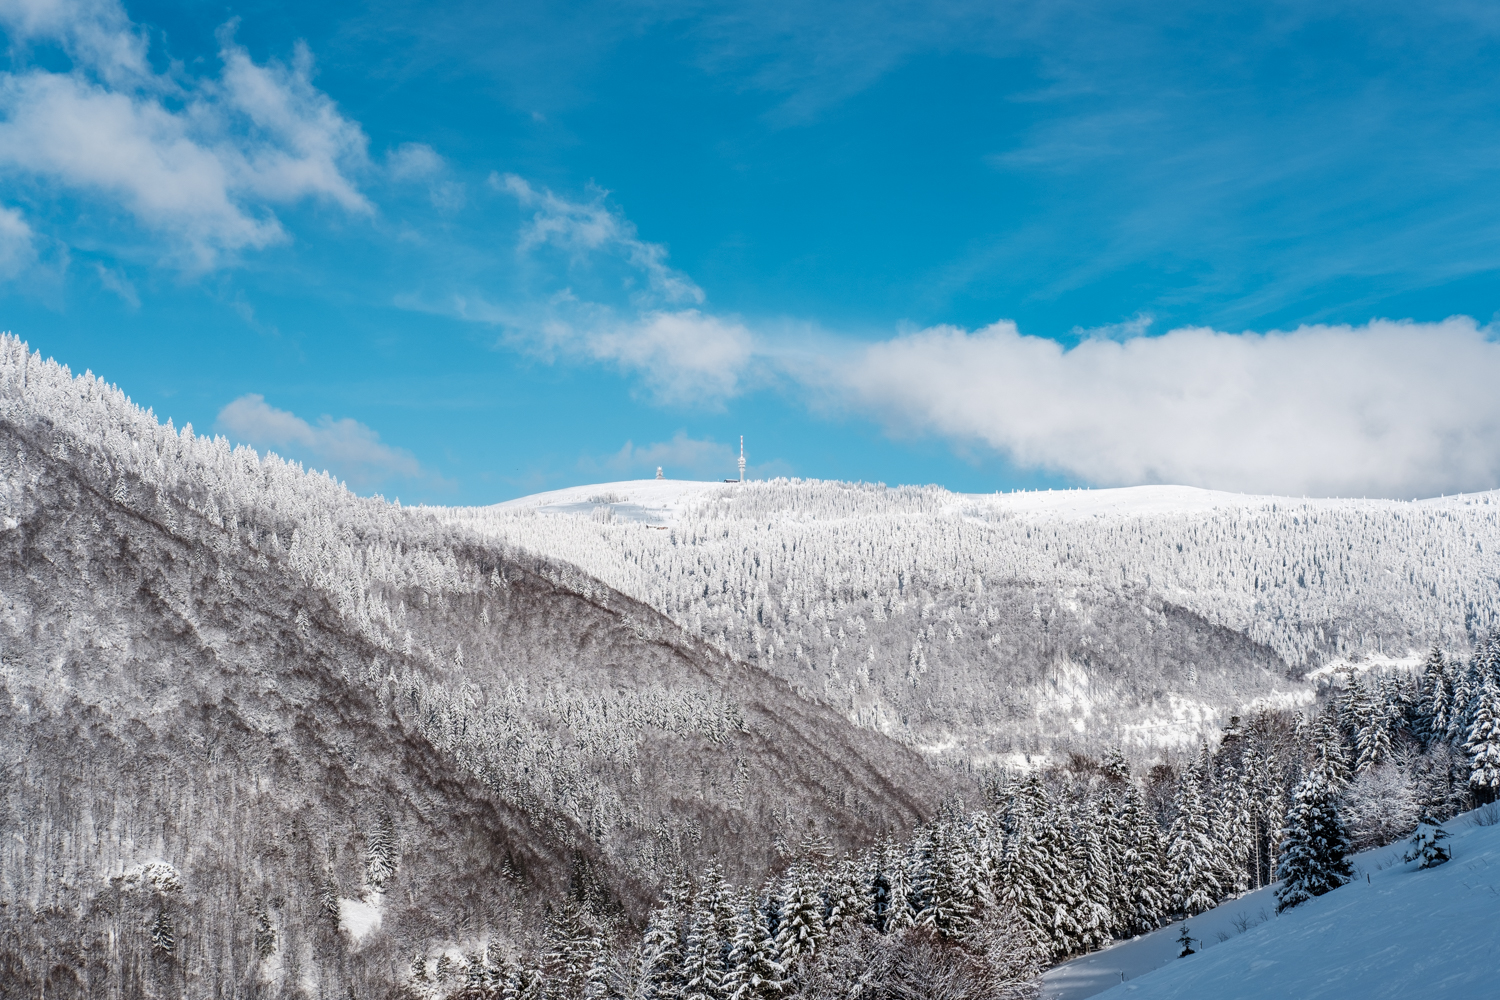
[1395, 931]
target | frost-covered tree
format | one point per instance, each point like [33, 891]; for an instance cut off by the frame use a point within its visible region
[1038, 882]
[1192, 855]
[382, 853]
[755, 973]
[1096, 880]
[163, 932]
[1380, 807]
[1371, 721]
[710, 936]
[1428, 847]
[801, 927]
[1147, 895]
[1483, 743]
[662, 974]
[1314, 847]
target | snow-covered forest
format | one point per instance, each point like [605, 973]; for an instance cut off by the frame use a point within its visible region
[1054, 864]
[990, 625]
[263, 737]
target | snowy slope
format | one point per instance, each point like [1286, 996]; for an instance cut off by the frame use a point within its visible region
[1402, 933]
[649, 501]
[663, 501]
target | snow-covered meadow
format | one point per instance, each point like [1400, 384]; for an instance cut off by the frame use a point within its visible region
[1394, 931]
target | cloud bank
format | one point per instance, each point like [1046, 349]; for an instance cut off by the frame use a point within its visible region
[1385, 409]
[346, 446]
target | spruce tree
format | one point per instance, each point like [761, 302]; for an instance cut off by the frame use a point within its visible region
[1095, 880]
[801, 929]
[1037, 879]
[1192, 855]
[661, 962]
[1315, 846]
[755, 973]
[942, 894]
[1483, 744]
[1114, 848]
[163, 933]
[1432, 697]
[1148, 894]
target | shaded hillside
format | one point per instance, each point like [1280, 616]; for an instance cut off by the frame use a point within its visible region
[306, 735]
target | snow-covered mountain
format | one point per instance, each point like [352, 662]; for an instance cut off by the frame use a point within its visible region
[253, 715]
[989, 625]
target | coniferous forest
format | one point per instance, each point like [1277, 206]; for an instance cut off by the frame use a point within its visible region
[266, 738]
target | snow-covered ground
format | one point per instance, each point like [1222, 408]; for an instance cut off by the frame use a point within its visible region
[650, 501]
[661, 501]
[1395, 931]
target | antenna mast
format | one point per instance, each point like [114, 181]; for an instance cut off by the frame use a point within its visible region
[742, 458]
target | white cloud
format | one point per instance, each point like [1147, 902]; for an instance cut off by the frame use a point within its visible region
[684, 357]
[419, 162]
[17, 251]
[582, 228]
[95, 33]
[347, 446]
[1386, 409]
[413, 161]
[113, 280]
[202, 164]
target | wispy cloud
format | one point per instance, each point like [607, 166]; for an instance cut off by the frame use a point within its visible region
[348, 447]
[583, 228]
[17, 251]
[114, 280]
[200, 162]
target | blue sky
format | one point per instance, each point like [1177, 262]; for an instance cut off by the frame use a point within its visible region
[464, 252]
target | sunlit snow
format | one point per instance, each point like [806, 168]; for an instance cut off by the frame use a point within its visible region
[1396, 931]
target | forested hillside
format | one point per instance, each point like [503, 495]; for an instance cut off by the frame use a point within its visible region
[261, 735]
[989, 625]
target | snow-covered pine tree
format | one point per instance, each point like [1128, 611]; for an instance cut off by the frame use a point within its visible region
[382, 854]
[941, 893]
[1328, 752]
[1371, 723]
[661, 962]
[1095, 880]
[1314, 846]
[1465, 688]
[163, 933]
[1233, 828]
[1192, 855]
[1432, 697]
[1427, 846]
[1483, 744]
[801, 929]
[893, 882]
[755, 973]
[1036, 878]
[1147, 896]
[847, 901]
[709, 940]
